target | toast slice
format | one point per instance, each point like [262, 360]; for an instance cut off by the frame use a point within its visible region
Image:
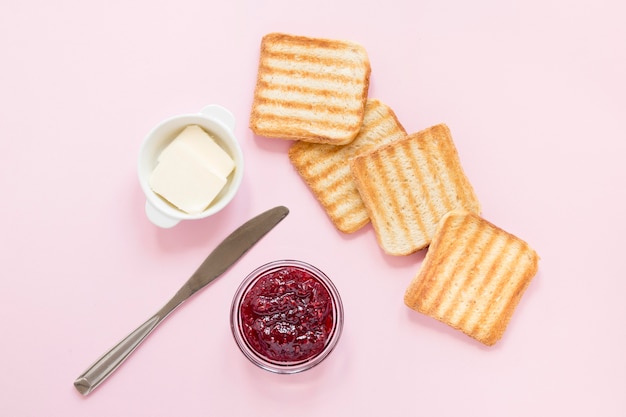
[310, 89]
[473, 276]
[407, 187]
[326, 168]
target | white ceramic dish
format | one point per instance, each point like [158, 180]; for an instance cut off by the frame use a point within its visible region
[217, 121]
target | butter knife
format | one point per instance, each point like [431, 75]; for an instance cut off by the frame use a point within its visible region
[218, 261]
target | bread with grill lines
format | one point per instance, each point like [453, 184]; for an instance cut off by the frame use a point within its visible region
[473, 276]
[325, 168]
[408, 186]
[310, 89]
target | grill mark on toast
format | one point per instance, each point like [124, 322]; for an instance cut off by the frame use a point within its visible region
[332, 177]
[270, 67]
[342, 208]
[485, 328]
[454, 261]
[436, 158]
[350, 89]
[455, 312]
[311, 105]
[337, 194]
[459, 277]
[466, 198]
[308, 156]
[356, 167]
[476, 320]
[270, 88]
[375, 112]
[491, 271]
[407, 202]
[377, 161]
[422, 169]
[374, 123]
[337, 182]
[320, 126]
[366, 165]
[322, 171]
[346, 212]
[304, 45]
[418, 196]
[525, 276]
[337, 60]
[355, 215]
[489, 264]
[322, 110]
[421, 289]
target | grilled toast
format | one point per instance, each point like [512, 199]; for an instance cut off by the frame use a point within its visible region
[310, 89]
[407, 186]
[473, 276]
[326, 168]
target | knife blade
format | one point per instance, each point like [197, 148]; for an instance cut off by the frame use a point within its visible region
[219, 260]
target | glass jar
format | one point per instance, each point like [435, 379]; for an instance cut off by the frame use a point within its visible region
[286, 316]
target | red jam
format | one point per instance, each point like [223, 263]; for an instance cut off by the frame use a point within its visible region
[287, 315]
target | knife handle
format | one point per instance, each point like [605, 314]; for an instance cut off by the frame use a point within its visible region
[111, 360]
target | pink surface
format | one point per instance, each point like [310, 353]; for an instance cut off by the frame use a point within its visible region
[535, 97]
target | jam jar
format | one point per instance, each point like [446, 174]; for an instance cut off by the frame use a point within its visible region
[286, 316]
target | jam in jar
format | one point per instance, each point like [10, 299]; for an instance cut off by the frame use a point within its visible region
[286, 316]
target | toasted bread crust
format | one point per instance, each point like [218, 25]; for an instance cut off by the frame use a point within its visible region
[473, 276]
[310, 89]
[326, 168]
[409, 185]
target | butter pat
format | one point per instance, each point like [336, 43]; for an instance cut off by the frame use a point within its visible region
[191, 171]
[196, 140]
[186, 182]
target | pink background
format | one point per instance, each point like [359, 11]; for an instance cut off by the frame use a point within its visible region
[534, 94]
